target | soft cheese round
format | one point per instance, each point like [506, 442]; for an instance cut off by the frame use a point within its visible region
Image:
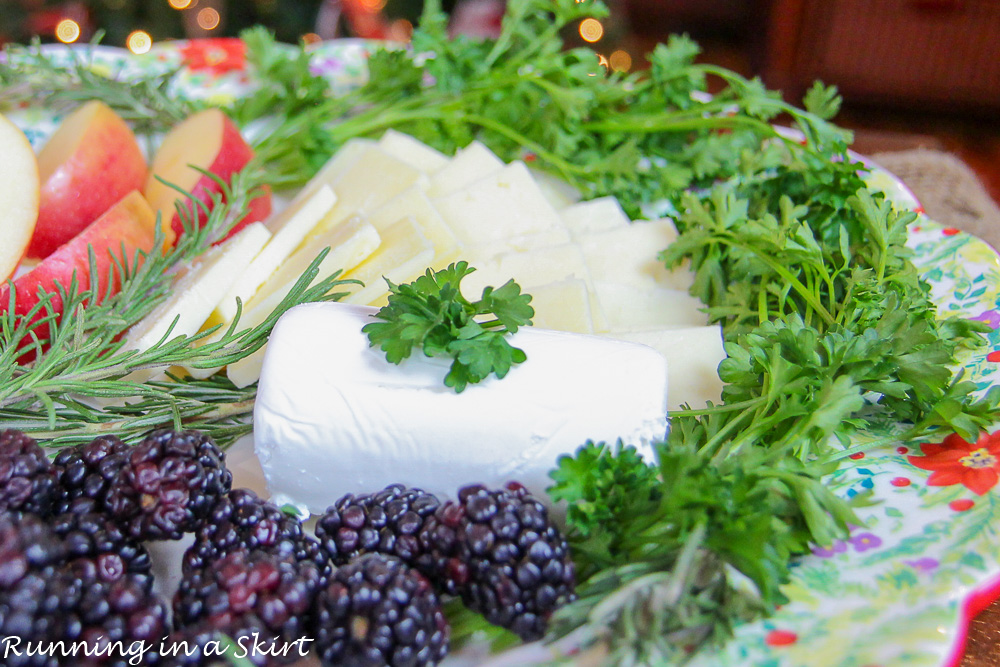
[333, 416]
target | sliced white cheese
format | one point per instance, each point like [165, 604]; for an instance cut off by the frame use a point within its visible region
[368, 181]
[533, 267]
[414, 203]
[288, 229]
[332, 416]
[413, 152]
[562, 306]
[629, 255]
[506, 209]
[595, 215]
[693, 356]
[559, 193]
[350, 244]
[196, 293]
[335, 167]
[628, 308]
[470, 164]
[403, 255]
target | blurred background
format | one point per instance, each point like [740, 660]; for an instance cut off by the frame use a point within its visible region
[915, 74]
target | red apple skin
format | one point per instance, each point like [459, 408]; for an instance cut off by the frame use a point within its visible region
[128, 224]
[91, 162]
[228, 154]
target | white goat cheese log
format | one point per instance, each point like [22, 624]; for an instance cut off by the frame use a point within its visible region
[333, 416]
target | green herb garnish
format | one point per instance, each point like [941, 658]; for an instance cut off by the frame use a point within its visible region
[432, 315]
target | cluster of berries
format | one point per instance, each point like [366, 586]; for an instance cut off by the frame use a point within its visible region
[365, 590]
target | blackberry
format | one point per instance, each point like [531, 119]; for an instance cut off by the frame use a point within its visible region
[92, 540]
[26, 545]
[502, 554]
[168, 485]
[27, 478]
[378, 611]
[277, 591]
[45, 599]
[86, 471]
[386, 522]
[241, 520]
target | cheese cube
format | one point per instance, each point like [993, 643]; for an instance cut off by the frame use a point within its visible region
[332, 416]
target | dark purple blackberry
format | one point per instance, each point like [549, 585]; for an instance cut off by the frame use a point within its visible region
[378, 611]
[86, 472]
[125, 610]
[502, 554]
[277, 591]
[27, 478]
[168, 485]
[96, 542]
[386, 522]
[26, 545]
[45, 599]
[241, 520]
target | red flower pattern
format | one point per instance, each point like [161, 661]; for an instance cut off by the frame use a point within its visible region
[955, 461]
[215, 55]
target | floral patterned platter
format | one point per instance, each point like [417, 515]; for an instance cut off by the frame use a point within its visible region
[902, 587]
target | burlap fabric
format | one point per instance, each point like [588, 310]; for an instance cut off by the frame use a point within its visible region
[948, 189]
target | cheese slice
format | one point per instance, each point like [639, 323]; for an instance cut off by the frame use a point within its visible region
[195, 294]
[368, 181]
[470, 164]
[404, 254]
[563, 305]
[693, 356]
[595, 215]
[630, 255]
[332, 416]
[413, 152]
[628, 308]
[506, 208]
[288, 229]
[414, 203]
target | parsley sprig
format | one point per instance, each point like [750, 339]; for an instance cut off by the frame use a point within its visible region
[431, 315]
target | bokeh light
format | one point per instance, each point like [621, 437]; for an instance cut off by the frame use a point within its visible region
[208, 19]
[620, 61]
[180, 4]
[591, 30]
[139, 41]
[67, 31]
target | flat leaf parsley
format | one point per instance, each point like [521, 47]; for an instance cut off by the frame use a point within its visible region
[431, 314]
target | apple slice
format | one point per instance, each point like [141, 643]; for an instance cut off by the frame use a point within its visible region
[209, 141]
[91, 162]
[120, 233]
[18, 195]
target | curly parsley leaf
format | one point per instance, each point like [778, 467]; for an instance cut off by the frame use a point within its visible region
[432, 315]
